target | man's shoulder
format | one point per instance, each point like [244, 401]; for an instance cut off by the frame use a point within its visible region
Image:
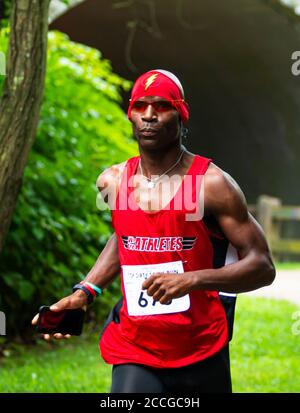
[216, 176]
[221, 189]
[111, 175]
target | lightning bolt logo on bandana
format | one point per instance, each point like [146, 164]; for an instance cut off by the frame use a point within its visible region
[150, 80]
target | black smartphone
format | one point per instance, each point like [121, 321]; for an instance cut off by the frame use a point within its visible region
[64, 322]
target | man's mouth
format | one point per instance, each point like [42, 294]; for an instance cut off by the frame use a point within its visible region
[148, 131]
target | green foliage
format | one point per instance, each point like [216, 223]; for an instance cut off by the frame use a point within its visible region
[4, 33]
[5, 9]
[264, 357]
[57, 231]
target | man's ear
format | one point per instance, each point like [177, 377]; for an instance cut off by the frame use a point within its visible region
[184, 130]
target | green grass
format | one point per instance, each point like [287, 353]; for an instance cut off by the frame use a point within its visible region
[264, 356]
[62, 367]
[287, 265]
[264, 351]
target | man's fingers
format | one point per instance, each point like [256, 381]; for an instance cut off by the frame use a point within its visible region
[146, 284]
[152, 290]
[57, 336]
[59, 306]
[68, 303]
[35, 319]
[63, 304]
[158, 295]
[165, 300]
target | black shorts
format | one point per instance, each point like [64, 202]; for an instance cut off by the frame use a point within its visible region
[211, 375]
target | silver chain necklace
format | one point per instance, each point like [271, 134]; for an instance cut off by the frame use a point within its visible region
[152, 182]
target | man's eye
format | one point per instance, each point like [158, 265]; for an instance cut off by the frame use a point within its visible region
[162, 106]
[139, 106]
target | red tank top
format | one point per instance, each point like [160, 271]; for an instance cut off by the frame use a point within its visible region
[162, 339]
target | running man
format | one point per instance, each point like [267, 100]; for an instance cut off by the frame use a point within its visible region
[185, 245]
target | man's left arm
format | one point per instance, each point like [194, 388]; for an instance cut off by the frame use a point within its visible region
[255, 269]
[226, 203]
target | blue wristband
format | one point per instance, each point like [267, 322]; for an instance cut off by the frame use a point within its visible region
[97, 289]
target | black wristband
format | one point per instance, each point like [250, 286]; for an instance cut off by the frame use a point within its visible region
[90, 296]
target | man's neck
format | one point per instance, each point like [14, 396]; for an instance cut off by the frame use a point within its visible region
[157, 162]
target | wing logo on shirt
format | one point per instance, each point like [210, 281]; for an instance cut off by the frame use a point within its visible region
[158, 244]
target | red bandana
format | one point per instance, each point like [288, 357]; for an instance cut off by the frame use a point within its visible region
[155, 83]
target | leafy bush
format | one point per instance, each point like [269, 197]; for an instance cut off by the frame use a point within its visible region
[57, 231]
[5, 11]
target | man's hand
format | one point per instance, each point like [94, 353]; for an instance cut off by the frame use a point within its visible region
[76, 300]
[164, 287]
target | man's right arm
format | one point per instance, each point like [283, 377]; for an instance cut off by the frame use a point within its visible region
[107, 266]
[104, 271]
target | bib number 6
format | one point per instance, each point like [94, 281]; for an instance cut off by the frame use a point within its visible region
[143, 302]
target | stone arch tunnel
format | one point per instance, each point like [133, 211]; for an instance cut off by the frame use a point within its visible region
[234, 60]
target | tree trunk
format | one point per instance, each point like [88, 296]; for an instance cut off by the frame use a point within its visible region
[21, 100]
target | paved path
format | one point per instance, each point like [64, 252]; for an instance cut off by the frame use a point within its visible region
[286, 286]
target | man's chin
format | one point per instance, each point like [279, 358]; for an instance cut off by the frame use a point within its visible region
[151, 139]
[150, 143]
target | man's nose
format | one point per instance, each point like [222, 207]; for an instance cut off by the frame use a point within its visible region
[149, 113]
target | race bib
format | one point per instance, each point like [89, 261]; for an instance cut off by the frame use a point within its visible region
[138, 301]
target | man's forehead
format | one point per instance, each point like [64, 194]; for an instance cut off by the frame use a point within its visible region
[151, 99]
